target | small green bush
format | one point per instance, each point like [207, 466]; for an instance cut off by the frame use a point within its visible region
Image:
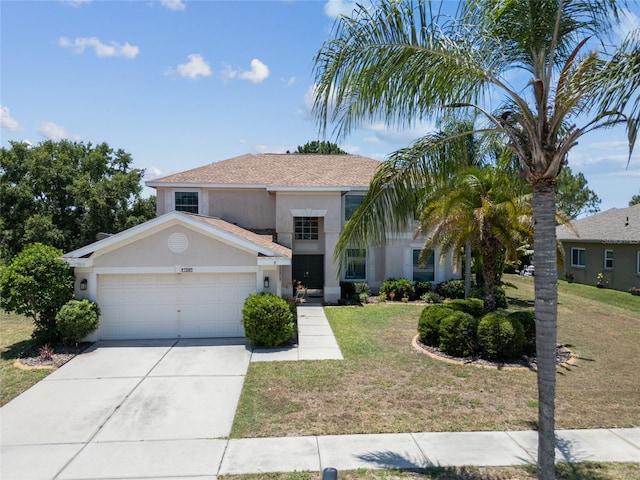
[431, 297]
[347, 289]
[472, 306]
[267, 320]
[429, 324]
[77, 319]
[458, 334]
[402, 287]
[500, 337]
[498, 292]
[451, 289]
[528, 321]
[421, 288]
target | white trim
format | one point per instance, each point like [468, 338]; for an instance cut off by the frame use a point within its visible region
[266, 261]
[313, 189]
[638, 262]
[605, 259]
[179, 185]
[309, 212]
[585, 257]
[172, 269]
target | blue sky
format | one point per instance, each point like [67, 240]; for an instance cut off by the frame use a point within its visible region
[179, 84]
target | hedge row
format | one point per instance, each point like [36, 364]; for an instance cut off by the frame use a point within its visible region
[459, 328]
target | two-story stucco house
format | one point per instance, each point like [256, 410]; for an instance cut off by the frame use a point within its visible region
[233, 227]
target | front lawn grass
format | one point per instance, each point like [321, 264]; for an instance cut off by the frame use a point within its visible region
[15, 337]
[385, 386]
[574, 471]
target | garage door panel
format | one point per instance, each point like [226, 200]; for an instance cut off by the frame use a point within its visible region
[173, 305]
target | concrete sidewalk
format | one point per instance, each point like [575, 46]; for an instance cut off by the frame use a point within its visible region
[421, 450]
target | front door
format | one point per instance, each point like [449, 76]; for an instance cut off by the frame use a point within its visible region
[308, 269]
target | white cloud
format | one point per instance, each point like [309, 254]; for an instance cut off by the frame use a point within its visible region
[353, 149]
[76, 3]
[175, 5]
[335, 8]
[6, 121]
[196, 66]
[152, 172]
[259, 72]
[273, 149]
[229, 72]
[288, 82]
[114, 49]
[53, 131]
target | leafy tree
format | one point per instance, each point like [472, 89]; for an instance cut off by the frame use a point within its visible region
[573, 197]
[635, 200]
[323, 147]
[403, 61]
[64, 193]
[37, 283]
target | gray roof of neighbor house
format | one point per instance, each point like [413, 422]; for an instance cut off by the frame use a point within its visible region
[278, 171]
[618, 225]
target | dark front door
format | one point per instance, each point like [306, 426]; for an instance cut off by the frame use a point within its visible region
[308, 269]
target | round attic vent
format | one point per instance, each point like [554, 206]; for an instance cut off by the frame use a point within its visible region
[178, 242]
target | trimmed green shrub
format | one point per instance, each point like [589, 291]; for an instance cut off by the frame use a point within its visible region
[77, 319]
[472, 306]
[498, 292]
[458, 334]
[347, 289]
[267, 320]
[420, 288]
[528, 321]
[429, 324]
[431, 297]
[402, 287]
[451, 289]
[500, 337]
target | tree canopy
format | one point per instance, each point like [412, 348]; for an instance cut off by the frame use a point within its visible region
[64, 193]
[634, 200]
[574, 197]
[321, 147]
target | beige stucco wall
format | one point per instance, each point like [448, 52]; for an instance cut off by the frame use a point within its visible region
[161, 200]
[624, 274]
[330, 202]
[253, 209]
[153, 251]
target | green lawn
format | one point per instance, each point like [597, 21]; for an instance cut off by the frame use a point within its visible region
[385, 386]
[15, 337]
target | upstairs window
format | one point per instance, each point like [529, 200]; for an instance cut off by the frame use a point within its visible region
[186, 202]
[351, 204]
[306, 228]
[356, 264]
[578, 257]
[424, 273]
[608, 259]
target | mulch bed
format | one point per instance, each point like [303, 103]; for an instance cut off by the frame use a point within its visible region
[31, 359]
[563, 356]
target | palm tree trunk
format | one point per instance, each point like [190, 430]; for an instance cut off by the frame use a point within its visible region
[467, 269]
[546, 297]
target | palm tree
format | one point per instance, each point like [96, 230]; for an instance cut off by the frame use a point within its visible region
[478, 206]
[403, 62]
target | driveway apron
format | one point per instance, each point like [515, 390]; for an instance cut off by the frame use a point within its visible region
[129, 409]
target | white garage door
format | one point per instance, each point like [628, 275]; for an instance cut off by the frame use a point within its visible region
[188, 305]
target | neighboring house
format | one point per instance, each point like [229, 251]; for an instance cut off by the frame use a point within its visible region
[606, 243]
[247, 224]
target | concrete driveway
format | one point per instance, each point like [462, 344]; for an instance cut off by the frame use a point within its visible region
[136, 409]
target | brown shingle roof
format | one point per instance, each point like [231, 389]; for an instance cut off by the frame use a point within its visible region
[618, 225]
[281, 170]
[265, 241]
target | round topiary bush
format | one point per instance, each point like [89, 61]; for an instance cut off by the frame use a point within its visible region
[429, 324]
[500, 337]
[451, 289]
[472, 306]
[77, 319]
[528, 321]
[267, 320]
[420, 288]
[458, 334]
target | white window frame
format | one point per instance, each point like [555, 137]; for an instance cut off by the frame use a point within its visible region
[308, 229]
[608, 262]
[638, 262]
[344, 204]
[362, 258]
[415, 267]
[198, 196]
[584, 259]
